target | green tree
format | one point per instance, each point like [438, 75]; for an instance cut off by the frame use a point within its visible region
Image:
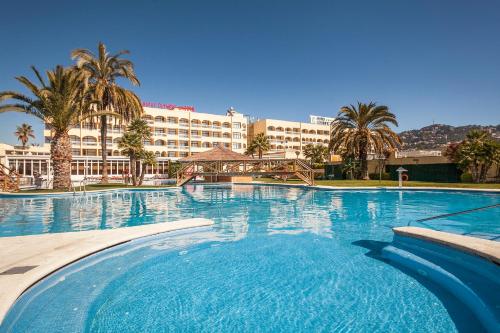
[260, 144]
[24, 133]
[147, 158]
[131, 145]
[362, 129]
[141, 127]
[316, 153]
[61, 103]
[475, 154]
[251, 150]
[104, 69]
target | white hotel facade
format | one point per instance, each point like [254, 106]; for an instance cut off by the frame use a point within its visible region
[177, 132]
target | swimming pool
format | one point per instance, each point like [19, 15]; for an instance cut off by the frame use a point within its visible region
[277, 259]
[235, 208]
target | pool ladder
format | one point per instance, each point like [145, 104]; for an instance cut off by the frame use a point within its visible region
[456, 213]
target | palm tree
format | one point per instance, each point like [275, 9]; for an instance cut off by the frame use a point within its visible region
[363, 129]
[316, 153]
[104, 69]
[140, 126]
[131, 145]
[23, 133]
[147, 158]
[61, 103]
[259, 143]
[250, 151]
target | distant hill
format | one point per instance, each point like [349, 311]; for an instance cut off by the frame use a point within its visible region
[438, 136]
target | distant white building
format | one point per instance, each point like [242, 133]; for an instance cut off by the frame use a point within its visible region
[320, 120]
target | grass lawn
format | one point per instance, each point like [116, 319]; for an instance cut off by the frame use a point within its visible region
[354, 183]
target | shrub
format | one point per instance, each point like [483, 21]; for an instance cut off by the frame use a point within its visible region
[466, 177]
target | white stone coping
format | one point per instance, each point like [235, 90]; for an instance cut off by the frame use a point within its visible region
[484, 248]
[77, 193]
[50, 252]
[331, 187]
[404, 188]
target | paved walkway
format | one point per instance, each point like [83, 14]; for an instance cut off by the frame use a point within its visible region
[25, 260]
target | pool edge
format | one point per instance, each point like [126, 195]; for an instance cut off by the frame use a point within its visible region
[51, 252]
[484, 248]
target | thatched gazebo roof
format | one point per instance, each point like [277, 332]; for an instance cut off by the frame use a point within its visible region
[218, 153]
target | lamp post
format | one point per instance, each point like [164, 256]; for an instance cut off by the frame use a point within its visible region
[400, 171]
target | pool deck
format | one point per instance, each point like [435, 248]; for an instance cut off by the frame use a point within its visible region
[27, 259]
[487, 249]
[322, 187]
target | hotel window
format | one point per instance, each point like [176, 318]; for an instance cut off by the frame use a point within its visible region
[205, 133]
[237, 135]
[236, 145]
[236, 125]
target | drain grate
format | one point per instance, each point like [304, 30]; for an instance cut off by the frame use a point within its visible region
[17, 270]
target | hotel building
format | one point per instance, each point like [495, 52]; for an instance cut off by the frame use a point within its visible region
[177, 131]
[288, 138]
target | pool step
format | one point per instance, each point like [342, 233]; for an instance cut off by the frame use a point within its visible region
[471, 279]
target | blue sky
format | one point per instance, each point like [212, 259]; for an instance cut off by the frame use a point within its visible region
[427, 60]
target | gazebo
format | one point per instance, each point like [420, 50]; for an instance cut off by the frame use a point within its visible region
[218, 154]
[223, 165]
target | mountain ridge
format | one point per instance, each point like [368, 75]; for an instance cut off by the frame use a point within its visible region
[437, 136]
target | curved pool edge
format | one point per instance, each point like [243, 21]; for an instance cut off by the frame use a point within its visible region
[487, 249]
[466, 267]
[42, 255]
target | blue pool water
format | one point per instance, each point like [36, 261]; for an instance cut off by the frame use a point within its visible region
[277, 260]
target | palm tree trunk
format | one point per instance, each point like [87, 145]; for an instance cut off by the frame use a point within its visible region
[133, 170]
[104, 150]
[260, 154]
[60, 154]
[141, 178]
[363, 155]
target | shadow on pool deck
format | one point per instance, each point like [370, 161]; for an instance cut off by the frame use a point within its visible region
[463, 318]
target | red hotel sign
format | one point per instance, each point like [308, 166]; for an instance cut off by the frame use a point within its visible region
[167, 106]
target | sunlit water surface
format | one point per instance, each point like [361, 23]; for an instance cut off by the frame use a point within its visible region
[277, 260]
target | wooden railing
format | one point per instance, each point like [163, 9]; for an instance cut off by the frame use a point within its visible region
[9, 179]
[267, 167]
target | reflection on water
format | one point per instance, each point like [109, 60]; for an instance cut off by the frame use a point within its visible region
[242, 210]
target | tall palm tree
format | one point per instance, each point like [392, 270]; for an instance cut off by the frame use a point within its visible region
[104, 69]
[361, 129]
[24, 133]
[140, 126]
[131, 145]
[147, 158]
[61, 103]
[259, 143]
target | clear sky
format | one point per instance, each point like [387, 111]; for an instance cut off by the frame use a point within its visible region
[427, 60]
